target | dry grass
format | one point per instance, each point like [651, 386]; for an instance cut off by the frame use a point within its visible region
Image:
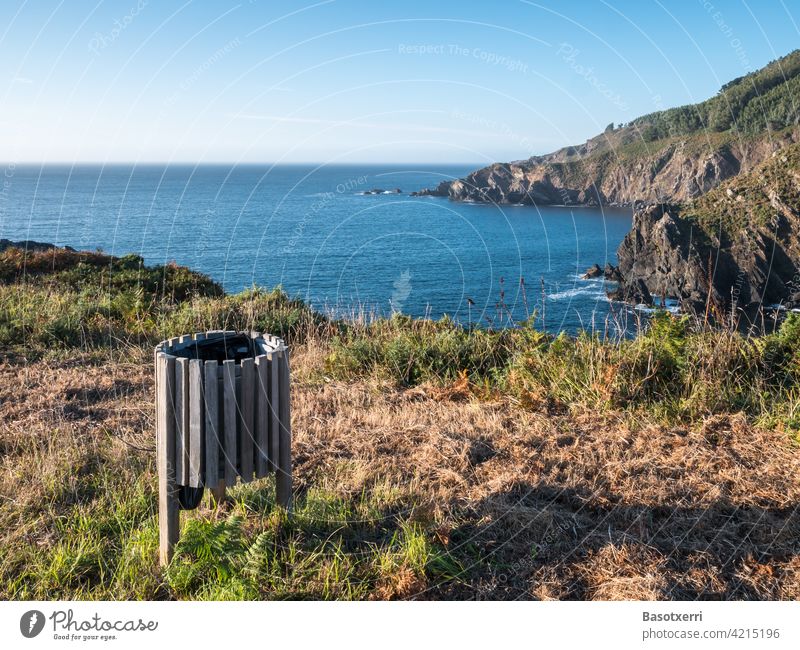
[526, 504]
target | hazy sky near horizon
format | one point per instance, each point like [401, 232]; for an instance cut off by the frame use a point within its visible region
[349, 81]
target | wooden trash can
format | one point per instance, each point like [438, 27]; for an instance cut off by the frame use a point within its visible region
[222, 414]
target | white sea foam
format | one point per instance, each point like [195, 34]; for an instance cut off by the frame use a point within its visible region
[647, 309]
[577, 291]
[579, 278]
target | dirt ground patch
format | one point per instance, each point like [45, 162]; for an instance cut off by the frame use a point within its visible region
[529, 504]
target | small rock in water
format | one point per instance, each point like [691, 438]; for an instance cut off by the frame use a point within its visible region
[378, 190]
[593, 271]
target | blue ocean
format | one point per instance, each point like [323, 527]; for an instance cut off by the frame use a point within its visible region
[320, 233]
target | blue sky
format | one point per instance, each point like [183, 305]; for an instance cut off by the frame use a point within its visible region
[352, 81]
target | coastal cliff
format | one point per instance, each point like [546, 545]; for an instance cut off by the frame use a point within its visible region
[669, 156]
[735, 249]
[674, 170]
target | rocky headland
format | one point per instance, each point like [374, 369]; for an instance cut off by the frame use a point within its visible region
[714, 187]
[671, 156]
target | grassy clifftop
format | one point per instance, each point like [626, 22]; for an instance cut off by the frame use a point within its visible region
[430, 461]
[59, 299]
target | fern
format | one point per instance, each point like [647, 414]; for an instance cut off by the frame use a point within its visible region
[260, 556]
[206, 551]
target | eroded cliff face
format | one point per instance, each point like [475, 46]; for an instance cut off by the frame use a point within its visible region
[661, 257]
[709, 262]
[606, 171]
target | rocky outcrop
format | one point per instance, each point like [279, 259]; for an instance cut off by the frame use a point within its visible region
[667, 255]
[660, 257]
[379, 190]
[441, 189]
[594, 271]
[30, 246]
[602, 172]
[609, 272]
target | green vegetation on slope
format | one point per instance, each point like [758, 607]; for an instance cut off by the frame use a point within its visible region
[747, 108]
[61, 298]
[672, 370]
[764, 100]
[64, 269]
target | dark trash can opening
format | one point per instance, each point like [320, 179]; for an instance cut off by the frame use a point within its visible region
[219, 348]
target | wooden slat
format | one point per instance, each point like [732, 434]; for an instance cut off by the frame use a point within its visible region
[247, 440]
[230, 416]
[211, 395]
[155, 383]
[274, 422]
[157, 356]
[196, 422]
[217, 334]
[283, 477]
[182, 421]
[196, 340]
[218, 493]
[169, 393]
[168, 514]
[262, 416]
[237, 386]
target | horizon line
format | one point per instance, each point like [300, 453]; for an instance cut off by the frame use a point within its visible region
[11, 163]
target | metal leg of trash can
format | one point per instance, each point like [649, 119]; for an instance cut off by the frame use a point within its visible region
[168, 512]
